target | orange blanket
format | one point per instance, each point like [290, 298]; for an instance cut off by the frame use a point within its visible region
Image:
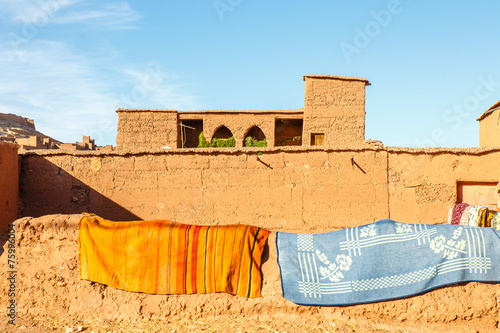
[163, 257]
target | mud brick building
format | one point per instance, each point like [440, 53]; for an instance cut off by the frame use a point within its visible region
[489, 127]
[333, 115]
[317, 174]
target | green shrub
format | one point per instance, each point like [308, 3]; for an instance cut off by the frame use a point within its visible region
[249, 142]
[286, 141]
[216, 142]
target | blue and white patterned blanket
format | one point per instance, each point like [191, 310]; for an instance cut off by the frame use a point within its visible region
[384, 260]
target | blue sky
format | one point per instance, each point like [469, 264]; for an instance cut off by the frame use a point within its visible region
[69, 64]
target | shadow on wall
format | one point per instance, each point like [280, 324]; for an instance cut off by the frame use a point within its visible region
[51, 190]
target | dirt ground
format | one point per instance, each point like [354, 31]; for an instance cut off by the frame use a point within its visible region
[210, 324]
[51, 297]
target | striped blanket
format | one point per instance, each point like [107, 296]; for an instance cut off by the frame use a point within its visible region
[163, 257]
[384, 260]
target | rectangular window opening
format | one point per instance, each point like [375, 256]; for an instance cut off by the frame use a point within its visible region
[189, 132]
[317, 139]
[288, 132]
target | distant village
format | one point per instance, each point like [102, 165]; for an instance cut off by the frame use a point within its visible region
[22, 131]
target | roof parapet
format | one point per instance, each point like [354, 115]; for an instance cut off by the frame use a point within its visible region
[336, 77]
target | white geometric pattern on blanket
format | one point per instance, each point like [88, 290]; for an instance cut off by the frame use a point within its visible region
[324, 288]
[477, 261]
[310, 277]
[305, 243]
[354, 244]
[310, 286]
[395, 280]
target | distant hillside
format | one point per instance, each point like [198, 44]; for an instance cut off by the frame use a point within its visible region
[22, 131]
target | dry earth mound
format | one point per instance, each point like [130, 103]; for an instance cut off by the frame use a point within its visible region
[50, 295]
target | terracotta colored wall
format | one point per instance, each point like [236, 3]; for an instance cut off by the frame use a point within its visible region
[146, 129]
[239, 124]
[489, 129]
[290, 188]
[293, 188]
[335, 107]
[423, 182]
[9, 184]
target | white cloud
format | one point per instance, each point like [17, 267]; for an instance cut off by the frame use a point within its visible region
[69, 94]
[115, 14]
[38, 14]
[153, 87]
[31, 12]
[55, 87]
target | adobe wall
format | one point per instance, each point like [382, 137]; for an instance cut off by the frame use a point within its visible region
[289, 188]
[147, 129]
[240, 122]
[489, 129]
[423, 182]
[284, 188]
[9, 184]
[48, 286]
[334, 106]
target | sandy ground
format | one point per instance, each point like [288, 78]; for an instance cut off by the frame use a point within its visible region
[214, 324]
[51, 297]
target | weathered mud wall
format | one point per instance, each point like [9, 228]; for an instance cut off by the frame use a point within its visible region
[335, 107]
[292, 188]
[150, 129]
[488, 130]
[423, 182]
[281, 189]
[48, 285]
[9, 184]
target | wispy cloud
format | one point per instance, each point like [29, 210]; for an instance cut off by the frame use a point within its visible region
[69, 94]
[31, 12]
[154, 87]
[114, 14]
[54, 86]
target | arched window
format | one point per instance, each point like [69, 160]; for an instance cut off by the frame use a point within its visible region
[255, 138]
[221, 138]
[222, 133]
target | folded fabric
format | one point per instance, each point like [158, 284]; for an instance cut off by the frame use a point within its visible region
[495, 222]
[384, 260]
[464, 220]
[450, 214]
[457, 211]
[481, 217]
[475, 215]
[490, 214]
[164, 257]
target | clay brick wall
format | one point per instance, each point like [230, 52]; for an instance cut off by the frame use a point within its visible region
[146, 129]
[423, 182]
[489, 129]
[9, 184]
[239, 123]
[283, 189]
[293, 188]
[334, 106]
